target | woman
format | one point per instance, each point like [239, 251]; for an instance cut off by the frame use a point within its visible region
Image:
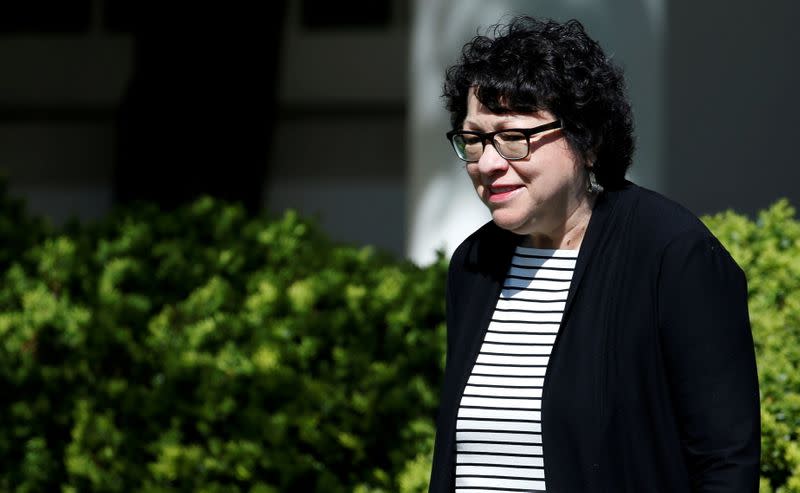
[598, 334]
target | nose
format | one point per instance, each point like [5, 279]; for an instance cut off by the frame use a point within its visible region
[491, 161]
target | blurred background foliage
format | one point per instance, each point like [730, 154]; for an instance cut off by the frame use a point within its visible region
[207, 350]
[204, 350]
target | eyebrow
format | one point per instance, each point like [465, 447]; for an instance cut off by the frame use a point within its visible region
[499, 125]
[503, 121]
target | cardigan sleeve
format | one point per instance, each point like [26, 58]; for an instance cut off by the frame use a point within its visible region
[451, 301]
[708, 354]
[442, 467]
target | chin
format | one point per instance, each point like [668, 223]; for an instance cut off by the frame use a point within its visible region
[508, 220]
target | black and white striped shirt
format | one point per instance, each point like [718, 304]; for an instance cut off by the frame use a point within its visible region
[498, 431]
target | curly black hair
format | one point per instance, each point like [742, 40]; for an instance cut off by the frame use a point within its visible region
[530, 65]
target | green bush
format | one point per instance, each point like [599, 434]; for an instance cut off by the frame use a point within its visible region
[206, 351]
[202, 350]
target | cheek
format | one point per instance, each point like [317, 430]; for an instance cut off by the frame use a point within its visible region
[476, 179]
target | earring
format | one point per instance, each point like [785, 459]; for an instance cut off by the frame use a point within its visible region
[593, 187]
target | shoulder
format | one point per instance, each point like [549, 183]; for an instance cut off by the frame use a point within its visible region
[671, 230]
[483, 247]
[652, 218]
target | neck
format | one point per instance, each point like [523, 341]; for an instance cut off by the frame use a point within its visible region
[570, 232]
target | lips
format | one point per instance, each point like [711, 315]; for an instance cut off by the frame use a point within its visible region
[503, 188]
[499, 193]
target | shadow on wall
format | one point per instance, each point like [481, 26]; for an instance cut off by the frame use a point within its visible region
[198, 113]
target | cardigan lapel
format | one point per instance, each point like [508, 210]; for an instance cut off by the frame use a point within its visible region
[484, 269]
[490, 260]
[602, 211]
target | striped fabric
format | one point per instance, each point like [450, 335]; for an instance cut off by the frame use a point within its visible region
[498, 432]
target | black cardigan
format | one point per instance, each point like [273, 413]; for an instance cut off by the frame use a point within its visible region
[651, 385]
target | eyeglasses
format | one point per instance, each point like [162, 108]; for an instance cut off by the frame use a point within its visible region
[513, 143]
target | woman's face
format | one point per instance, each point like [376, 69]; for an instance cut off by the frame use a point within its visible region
[534, 196]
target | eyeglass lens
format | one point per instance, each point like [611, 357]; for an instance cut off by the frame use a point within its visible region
[510, 145]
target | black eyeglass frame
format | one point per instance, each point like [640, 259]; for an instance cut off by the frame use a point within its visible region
[489, 136]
